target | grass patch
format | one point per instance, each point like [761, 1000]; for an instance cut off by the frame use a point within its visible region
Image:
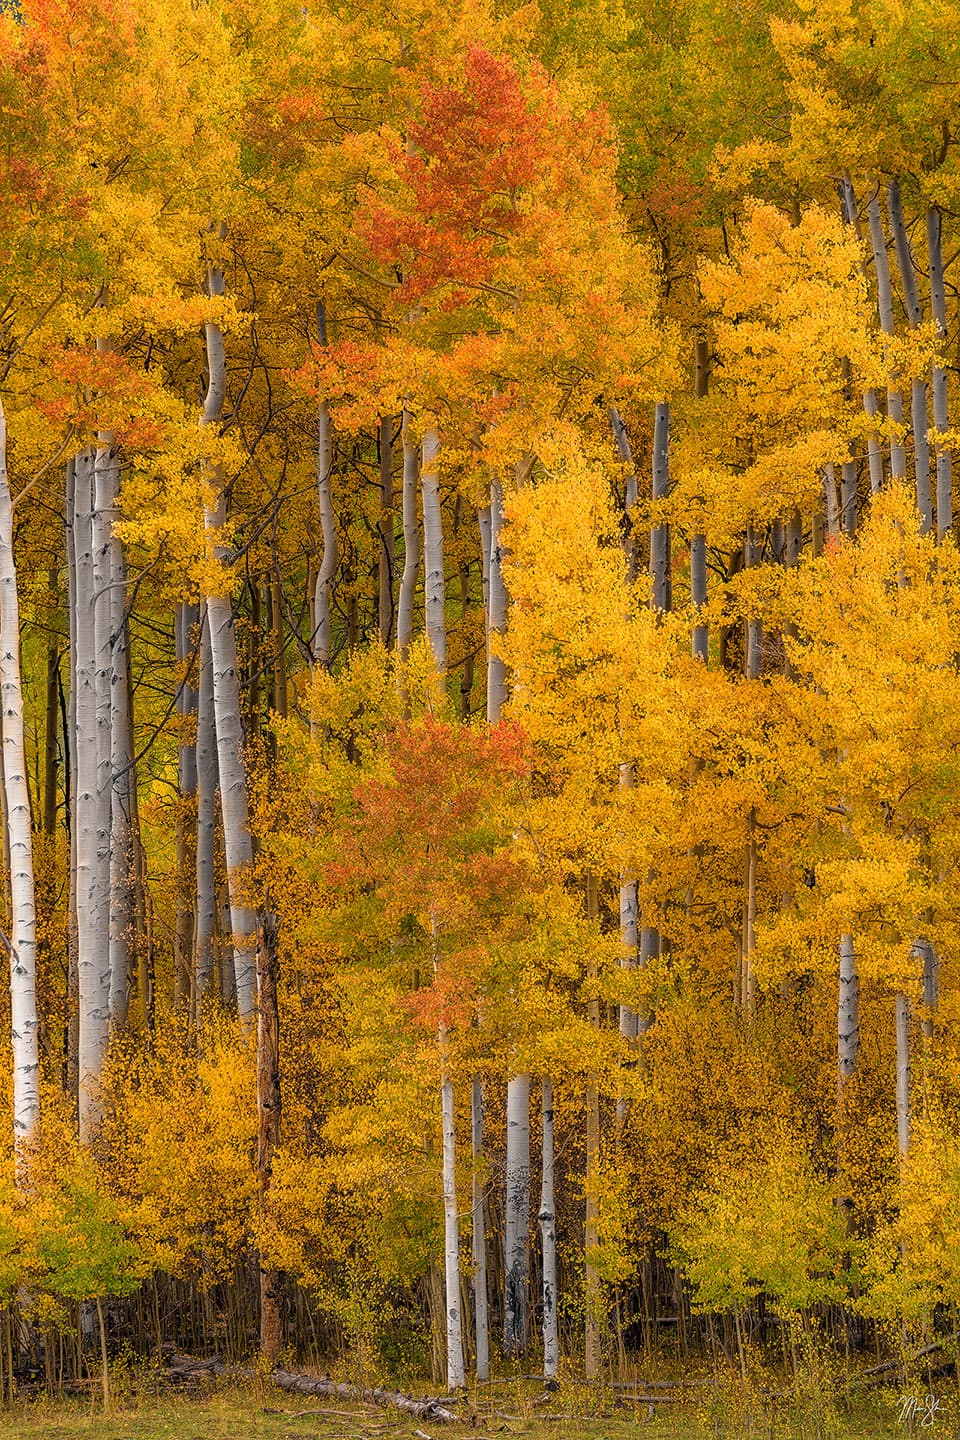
[264, 1413]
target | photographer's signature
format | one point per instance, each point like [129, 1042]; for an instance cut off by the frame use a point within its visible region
[918, 1409]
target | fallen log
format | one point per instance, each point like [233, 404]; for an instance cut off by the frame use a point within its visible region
[187, 1367]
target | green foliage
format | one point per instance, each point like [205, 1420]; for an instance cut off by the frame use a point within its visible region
[772, 1229]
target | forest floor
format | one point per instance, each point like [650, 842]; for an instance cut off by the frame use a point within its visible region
[253, 1413]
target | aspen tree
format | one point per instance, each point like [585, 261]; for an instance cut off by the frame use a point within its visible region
[548, 1236]
[226, 694]
[206, 752]
[22, 944]
[93, 957]
[918, 400]
[411, 537]
[321, 640]
[941, 418]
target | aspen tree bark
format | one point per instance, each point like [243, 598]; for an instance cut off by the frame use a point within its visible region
[411, 538]
[700, 641]
[93, 955]
[483, 522]
[848, 497]
[456, 1375]
[206, 756]
[385, 557]
[185, 622]
[105, 479]
[22, 944]
[918, 392]
[931, 985]
[516, 1260]
[497, 605]
[52, 717]
[911, 298]
[277, 649]
[629, 904]
[870, 403]
[72, 1039]
[516, 1263]
[592, 1292]
[479, 1234]
[630, 493]
[848, 1012]
[902, 1008]
[237, 839]
[269, 1108]
[898, 455]
[123, 777]
[548, 1238]
[660, 534]
[466, 605]
[830, 509]
[941, 418]
[435, 590]
[323, 594]
[661, 598]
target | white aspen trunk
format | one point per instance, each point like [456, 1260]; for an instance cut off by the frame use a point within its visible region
[23, 938]
[898, 455]
[185, 619]
[848, 497]
[903, 1073]
[630, 493]
[870, 404]
[629, 907]
[481, 1314]
[660, 534]
[123, 890]
[411, 539]
[548, 1239]
[456, 1375]
[830, 510]
[918, 391]
[941, 418]
[931, 985]
[591, 1280]
[70, 777]
[516, 1266]
[483, 521]
[93, 954]
[700, 640]
[629, 940]
[233, 799]
[206, 759]
[238, 843]
[323, 587]
[435, 589]
[323, 593]
[871, 407]
[105, 478]
[385, 529]
[848, 1011]
[497, 605]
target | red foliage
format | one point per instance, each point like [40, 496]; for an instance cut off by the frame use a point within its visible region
[101, 390]
[429, 841]
[474, 150]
